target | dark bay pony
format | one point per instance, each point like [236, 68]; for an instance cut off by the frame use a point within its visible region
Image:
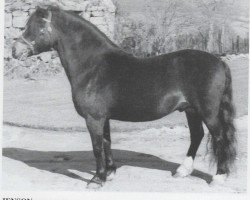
[108, 83]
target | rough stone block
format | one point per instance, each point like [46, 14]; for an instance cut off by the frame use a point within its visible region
[29, 1]
[83, 6]
[95, 2]
[7, 52]
[110, 35]
[18, 13]
[19, 19]
[103, 28]
[17, 5]
[8, 19]
[12, 32]
[74, 5]
[46, 57]
[97, 20]
[109, 18]
[97, 13]
[92, 8]
[109, 4]
[85, 15]
[56, 61]
[111, 27]
[101, 8]
[26, 7]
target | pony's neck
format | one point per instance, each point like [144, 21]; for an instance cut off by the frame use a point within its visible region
[77, 41]
[73, 29]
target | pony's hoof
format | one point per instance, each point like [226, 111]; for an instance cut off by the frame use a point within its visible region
[95, 183]
[110, 175]
[94, 186]
[182, 172]
[219, 179]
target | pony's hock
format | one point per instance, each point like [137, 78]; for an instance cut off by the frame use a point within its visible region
[107, 83]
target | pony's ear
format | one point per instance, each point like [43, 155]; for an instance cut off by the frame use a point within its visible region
[41, 12]
[53, 7]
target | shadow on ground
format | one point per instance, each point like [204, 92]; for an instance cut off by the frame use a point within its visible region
[83, 161]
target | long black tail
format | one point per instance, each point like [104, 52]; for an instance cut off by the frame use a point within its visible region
[226, 151]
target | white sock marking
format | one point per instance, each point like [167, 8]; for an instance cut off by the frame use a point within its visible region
[219, 178]
[186, 167]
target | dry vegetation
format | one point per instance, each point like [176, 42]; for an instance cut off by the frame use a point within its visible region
[167, 26]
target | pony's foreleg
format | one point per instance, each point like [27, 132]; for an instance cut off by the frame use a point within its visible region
[110, 165]
[96, 130]
[196, 135]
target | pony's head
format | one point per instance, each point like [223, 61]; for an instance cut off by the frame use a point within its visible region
[38, 37]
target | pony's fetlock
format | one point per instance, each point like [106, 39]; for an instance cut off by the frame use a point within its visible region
[186, 168]
[95, 183]
[219, 179]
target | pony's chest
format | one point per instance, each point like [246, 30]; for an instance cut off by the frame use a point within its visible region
[93, 101]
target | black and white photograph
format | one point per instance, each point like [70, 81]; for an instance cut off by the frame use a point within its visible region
[125, 96]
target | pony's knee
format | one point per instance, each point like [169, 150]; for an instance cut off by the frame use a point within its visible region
[98, 152]
[106, 143]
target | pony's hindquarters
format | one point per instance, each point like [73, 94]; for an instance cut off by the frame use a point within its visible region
[221, 127]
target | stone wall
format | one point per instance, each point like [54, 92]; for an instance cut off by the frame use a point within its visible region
[99, 12]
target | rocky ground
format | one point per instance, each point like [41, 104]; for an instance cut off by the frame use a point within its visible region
[146, 160]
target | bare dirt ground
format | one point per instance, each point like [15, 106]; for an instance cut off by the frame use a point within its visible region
[55, 152]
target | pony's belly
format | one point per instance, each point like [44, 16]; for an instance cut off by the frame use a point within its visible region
[149, 112]
[136, 116]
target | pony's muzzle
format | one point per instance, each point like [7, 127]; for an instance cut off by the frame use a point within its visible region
[21, 50]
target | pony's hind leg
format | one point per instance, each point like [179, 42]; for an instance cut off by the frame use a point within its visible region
[110, 165]
[196, 135]
[218, 114]
[223, 150]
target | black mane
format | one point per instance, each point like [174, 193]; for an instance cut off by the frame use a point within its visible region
[79, 22]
